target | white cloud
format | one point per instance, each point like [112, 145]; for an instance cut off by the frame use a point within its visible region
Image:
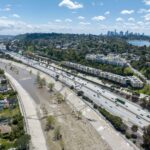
[70, 4]
[119, 19]
[6, 8]
[58, 20]
[84, 23]
[68, 20]
[99, 18]
[107, 12]
[81, 17]
[147, 2]
[3, 17]
[144, 11]
[124, 12]
[147, 17]
[12, 26]
[131, 19]
[140, 23]
[16, 16]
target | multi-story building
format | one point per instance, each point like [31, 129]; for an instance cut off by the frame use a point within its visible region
[133, 81]
[2, 46]
[109, 59]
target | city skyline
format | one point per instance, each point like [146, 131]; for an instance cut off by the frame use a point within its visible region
[74, 16]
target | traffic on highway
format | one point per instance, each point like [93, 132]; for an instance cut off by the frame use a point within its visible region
[116, 105]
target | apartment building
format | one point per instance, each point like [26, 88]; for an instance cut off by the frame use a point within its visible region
[109, 59]
[133, 81]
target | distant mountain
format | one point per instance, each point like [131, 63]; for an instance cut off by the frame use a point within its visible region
[6, 37]
[50, 36]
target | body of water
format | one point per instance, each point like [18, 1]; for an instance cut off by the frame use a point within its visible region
[139, 42]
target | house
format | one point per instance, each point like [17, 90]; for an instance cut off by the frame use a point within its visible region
[3, 88]
[3, 80]
[12, 101]
[4, 104]
[5, 129]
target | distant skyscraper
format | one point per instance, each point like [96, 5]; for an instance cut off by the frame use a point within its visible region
[121, 33]
[127, 33]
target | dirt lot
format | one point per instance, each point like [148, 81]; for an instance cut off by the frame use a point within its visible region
[77, 134]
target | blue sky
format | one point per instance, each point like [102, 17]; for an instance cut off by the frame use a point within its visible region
[74, 16]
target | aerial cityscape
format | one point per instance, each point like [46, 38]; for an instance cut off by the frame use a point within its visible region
[75, 75]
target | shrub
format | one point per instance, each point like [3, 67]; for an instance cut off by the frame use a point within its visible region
[134, 136]
[72, 87]
[50, 123]
[128, 136]
[80, 93]
[114, 120]
[23, 142]
[57, 134]
[134, 128]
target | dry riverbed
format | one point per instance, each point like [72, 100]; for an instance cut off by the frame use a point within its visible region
[77, 134]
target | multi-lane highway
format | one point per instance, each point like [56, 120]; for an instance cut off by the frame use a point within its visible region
[128, 111]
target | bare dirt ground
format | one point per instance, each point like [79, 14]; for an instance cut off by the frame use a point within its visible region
[77, 134]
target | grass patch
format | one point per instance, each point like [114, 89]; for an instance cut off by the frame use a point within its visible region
[145, 90]
[8, 113]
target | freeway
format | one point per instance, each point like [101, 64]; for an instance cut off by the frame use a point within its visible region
[129, 112]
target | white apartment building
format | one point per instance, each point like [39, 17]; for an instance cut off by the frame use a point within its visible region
[133, 81]
[109, 59]
[2, 46]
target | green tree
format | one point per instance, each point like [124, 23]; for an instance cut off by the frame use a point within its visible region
[51, 86]
[60, 98]
[38, 78]
[146, 138]
[30, 72]
[128, 71]
[23, 142]
[57, 134]
[134, 128]
[50, 123]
